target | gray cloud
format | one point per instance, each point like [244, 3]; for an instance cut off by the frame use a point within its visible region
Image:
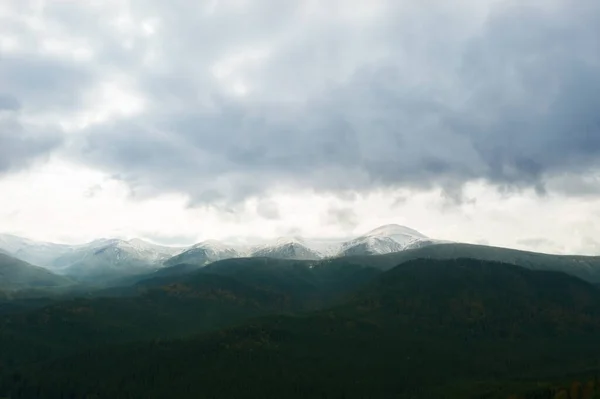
[17, 151]
[345, 217]
[20, 144]
[422, 96]
[46, 84]
[9, 103]
[93, 191]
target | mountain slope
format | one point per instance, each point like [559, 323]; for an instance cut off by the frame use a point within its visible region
[584, 267]
[112, 259]
[170, 306]
[35, 252]
[426, 329]
[155, 311]
[287, 248]
[17, 274]
[202, 254]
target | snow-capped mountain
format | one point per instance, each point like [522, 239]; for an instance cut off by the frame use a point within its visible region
[112, 258]
[99, 257]
[107, 257]
[34, 252]
[203, 253]
[287, 248]
[383, 240]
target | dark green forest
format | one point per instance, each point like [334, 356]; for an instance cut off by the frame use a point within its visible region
[265, 328]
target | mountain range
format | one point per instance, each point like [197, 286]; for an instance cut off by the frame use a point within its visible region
[110, 262]
[107, 259]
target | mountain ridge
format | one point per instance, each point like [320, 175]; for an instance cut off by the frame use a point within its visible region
[113, 258]
[108, 261]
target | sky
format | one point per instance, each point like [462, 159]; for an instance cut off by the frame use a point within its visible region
[467, 120]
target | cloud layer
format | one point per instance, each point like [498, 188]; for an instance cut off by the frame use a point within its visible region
[224, 100]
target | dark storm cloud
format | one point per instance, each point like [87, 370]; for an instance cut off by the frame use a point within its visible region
[423, 96]
[534, 85]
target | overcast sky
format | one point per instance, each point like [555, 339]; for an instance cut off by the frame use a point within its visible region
[177, 121]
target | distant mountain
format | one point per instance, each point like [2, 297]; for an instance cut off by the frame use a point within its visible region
[203, 253]
[17, 274]
[426, 329]
[107, 261]
[584, 267]
[111, 259]
[36, 252]
[383, 240]
[287, 248]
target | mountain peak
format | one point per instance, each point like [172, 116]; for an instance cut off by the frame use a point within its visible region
[287, 248]
[390, 230]
[139, 241]
[289, 240]
[211, 244]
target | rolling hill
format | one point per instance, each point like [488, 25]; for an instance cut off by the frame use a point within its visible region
[584, 267]
[174, 305]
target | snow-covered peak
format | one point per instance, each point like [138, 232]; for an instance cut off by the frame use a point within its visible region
[384, 239]
[393, 231]
[289, 240]
[275, 243]
[203, 253]
[215, 245]
[99, 243]
[13, 244]
[286, 248]
[137, 242]
[148, 246]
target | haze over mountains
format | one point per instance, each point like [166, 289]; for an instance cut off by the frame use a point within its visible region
[27, 264]
[113, 258]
